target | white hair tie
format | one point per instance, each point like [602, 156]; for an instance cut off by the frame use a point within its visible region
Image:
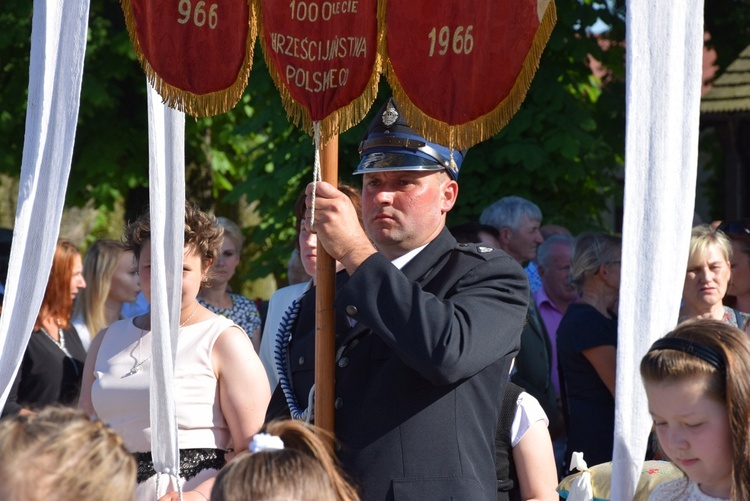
[265, 442]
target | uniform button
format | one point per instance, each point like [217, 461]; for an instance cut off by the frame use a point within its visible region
[354, 343]
[343, 362]
[338, 403]
[301, 360]
[337, 447]
[351, 310]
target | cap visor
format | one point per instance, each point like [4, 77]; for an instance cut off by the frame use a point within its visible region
[380, 162]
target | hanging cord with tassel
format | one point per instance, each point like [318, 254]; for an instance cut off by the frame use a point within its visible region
[316, 172]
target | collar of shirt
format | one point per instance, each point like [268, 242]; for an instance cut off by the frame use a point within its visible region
[541, 297]
[402, 261]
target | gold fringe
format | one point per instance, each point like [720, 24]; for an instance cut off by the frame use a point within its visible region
[343, 118]
[466, 135]
[196, 105]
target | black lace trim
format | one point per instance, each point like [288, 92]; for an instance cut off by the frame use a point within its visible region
[192, 462]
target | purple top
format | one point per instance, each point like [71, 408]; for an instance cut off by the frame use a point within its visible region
[551, 317]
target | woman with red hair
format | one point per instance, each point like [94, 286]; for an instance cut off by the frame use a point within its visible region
[52, 365]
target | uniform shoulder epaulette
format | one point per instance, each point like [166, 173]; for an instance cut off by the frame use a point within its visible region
[481, 250]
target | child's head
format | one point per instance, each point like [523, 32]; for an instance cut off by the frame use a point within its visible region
[61, 454]
[699, 397]
[292, 460]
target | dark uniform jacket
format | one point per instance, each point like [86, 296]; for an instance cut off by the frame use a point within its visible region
[420, 376]
[534, 366]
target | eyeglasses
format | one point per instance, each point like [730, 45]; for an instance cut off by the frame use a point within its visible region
[739, 227]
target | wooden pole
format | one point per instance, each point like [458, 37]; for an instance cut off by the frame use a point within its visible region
[325, 327]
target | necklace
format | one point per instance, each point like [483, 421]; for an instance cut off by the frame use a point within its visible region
[191, 315]
[61, 343]
[137, 362]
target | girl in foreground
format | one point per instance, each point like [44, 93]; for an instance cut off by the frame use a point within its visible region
[290, 461]
[698, 396]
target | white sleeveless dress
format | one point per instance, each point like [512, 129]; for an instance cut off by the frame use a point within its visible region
[120, 393]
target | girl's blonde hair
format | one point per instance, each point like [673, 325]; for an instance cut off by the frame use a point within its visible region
[306, 468]
[98, 268]
[726, 366]
[61, 454]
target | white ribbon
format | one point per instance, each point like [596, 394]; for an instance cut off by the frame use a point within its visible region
[58, 48]
[663, 85]
[580, 488]
[265, 442]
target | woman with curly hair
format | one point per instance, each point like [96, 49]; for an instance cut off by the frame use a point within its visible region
[221, 390]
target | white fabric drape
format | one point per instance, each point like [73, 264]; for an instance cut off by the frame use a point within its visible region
[664, 67]
[58, 46]
[167, 202]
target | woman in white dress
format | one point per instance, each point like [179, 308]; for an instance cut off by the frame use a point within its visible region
[221, 390]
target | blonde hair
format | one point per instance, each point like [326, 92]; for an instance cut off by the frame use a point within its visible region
[231, 231]
[727, 383]
[591, 250]
[61, 454]
[704, 236]
[98, 268]
[306, 468]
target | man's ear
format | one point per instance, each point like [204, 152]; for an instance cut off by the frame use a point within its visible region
[540, 270]
[450, 194]
[505, 235]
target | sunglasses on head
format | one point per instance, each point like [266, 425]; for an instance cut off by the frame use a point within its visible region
[739, 227]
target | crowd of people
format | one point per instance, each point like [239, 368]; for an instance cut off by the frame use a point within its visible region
[470, 362]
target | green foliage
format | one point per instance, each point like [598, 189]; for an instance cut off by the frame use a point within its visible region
[15, 36]
[728, 22]
[563, 150]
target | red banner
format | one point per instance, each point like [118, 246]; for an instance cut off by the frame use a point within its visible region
[460, 70]
[196, 53]
[324, 58]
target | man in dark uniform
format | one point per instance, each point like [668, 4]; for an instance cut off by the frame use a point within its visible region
[425, 329]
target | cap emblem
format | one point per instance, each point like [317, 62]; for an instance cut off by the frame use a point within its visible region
[390, 116]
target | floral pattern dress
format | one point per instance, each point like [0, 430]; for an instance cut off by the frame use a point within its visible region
[243, 312]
